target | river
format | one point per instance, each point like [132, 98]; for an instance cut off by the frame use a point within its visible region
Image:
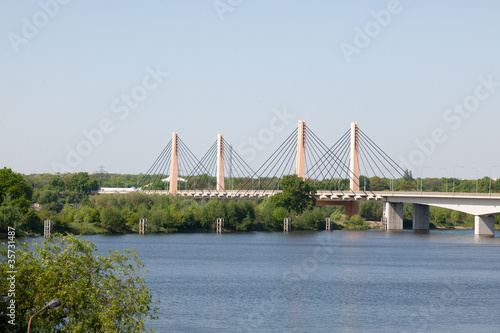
[341, 281]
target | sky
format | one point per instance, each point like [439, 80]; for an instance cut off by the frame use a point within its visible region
[85, 84]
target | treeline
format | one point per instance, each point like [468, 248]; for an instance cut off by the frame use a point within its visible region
[25, 201]
[120, 213]
[406, 183]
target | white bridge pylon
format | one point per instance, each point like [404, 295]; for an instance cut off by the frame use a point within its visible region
[220, 163]
[174, 163]
[351, 207]
[482, 206]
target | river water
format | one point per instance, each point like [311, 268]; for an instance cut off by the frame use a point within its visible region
[341, 281]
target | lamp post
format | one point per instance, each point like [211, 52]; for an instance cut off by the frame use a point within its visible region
[445, 177]
[362, 171]
[54, 304]
[491, 170]
[477, 176]
[454, 172]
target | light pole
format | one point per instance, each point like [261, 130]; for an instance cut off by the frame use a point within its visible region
[54, 304]
[364, 178]
[491, 170]
[454, 172]
[477, 176]
[445, 177]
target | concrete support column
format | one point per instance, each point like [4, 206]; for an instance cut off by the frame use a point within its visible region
[420, 217]
[393, 212]
[351, 208]
[484, 225]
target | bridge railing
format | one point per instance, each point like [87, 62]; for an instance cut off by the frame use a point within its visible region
[321, 194]
[438, 194]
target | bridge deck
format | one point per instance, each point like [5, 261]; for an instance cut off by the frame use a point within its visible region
[320, 195]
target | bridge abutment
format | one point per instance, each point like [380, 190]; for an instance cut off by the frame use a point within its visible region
[484, 225]
[420, 217]
[393, 212]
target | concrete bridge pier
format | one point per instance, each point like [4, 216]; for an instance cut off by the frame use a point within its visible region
[420, 217]
[393, 212]
[484, 225]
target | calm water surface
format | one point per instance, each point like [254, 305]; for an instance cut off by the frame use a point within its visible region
[363, 281]
[342, 281]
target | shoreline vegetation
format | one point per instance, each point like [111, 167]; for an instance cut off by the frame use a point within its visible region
[27, 200]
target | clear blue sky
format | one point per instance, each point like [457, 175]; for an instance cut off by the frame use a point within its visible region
[230, 75]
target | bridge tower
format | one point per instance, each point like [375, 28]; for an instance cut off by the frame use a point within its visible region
[220, 162]
[174, 160]
[354, 159]
[352, 207]
[301, 150]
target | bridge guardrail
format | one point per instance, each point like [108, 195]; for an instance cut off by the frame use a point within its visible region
[340, 194]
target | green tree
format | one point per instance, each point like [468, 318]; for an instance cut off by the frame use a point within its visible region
[10, 214]
[112, 220]
[279, 214]
[408, 175]
[98, 293]
[14, 184]
[173, 219]
[357, 223]
[297, 195]
[379, 184]
[32, 222]
[371, 210]
[56, 184]
[82, 183]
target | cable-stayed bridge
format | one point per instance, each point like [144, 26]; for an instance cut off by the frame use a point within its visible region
[335, 171]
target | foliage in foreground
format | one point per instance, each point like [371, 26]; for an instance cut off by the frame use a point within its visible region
[98, 293]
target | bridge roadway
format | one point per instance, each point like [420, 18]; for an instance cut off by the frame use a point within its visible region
[482, 205]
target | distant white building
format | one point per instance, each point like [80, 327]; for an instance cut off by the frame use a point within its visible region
[117, 189]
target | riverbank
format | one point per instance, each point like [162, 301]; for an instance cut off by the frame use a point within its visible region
[89, 229]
